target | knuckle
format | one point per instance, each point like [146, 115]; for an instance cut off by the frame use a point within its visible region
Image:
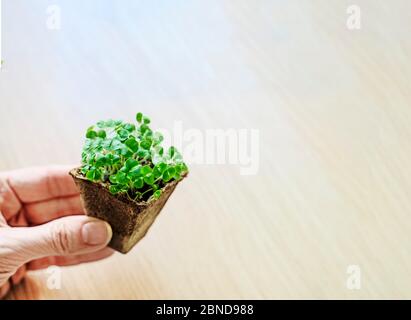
[60, 239]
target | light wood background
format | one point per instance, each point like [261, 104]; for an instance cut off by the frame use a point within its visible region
[333, 107]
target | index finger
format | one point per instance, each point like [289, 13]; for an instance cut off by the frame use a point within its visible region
[41, 183]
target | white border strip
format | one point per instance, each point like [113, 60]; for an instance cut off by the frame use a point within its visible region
[1, 57]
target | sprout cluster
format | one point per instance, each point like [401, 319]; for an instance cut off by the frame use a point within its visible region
[129, 159]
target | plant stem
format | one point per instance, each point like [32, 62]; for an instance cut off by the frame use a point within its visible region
[150, 189]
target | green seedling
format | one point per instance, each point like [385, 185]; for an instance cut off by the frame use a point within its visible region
[129, 159]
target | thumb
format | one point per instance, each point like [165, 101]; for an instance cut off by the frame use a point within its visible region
[64, 236]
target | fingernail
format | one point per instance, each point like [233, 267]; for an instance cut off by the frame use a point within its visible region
[96, 233]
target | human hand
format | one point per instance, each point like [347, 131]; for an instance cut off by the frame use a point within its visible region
[42, 223]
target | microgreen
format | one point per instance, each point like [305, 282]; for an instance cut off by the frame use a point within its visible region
[129, 159]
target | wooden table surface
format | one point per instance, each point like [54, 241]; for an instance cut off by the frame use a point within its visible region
[332, 106]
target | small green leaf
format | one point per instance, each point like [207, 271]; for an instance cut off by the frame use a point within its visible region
[157, 173]
[161, 167]
[167, 176]
[129, 127]
[113, 179]
[157, 194]
[94, 175]
[102, 134]
[115, 189]
[149, 179]
[124, 151]
[138, 183]
[177, 169]
[171, 152]
[183, 167]
[146, 120]
[144, 128]
[139, 117]
[135, 172]
[146, 144]
[85, 169]
[100, 160]
[141, 153]
[110, 123]
[131, 163]
[146, 170]
[123, 134]
[121, 177]
[91, 134]
[115, 144]
[132, 144]
[171, 171]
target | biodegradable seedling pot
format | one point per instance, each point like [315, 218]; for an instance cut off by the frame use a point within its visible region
[129, 220]
[126, 177]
